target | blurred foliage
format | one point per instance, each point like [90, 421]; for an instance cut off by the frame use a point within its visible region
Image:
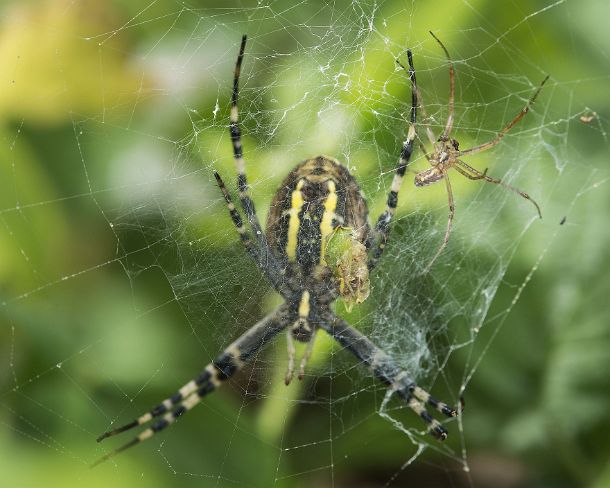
[110, 228]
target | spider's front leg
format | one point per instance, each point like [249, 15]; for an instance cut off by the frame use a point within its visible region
[226, 364]
[386, 370]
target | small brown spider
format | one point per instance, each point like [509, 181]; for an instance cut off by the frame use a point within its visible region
[446, 153]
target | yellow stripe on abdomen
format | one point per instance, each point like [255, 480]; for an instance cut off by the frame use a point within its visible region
[294, 223]
[326, 225]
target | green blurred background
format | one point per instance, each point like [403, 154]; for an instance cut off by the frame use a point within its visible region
[120, 276]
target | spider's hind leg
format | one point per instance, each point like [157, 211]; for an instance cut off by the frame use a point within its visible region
[237, 221]
[382, 228]
[265, 262]
[266, 259]
[238, 154]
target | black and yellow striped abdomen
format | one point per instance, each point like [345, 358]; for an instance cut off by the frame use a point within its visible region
[316, 197]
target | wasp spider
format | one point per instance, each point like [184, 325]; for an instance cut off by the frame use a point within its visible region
[318, 247]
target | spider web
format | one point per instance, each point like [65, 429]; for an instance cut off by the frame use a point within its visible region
[123, 276]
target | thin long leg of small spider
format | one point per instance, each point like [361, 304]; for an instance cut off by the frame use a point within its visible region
[451, 114]
[242, 181]
[382, 228]
[307, 354]
[463, 168]
[270, 271]
[386, 370]
[502, 133]
[449, 224]
[426, 121]
[222, 368]
[423, 150]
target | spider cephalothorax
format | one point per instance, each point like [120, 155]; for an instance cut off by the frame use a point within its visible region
[318, 246]
[445, 155]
